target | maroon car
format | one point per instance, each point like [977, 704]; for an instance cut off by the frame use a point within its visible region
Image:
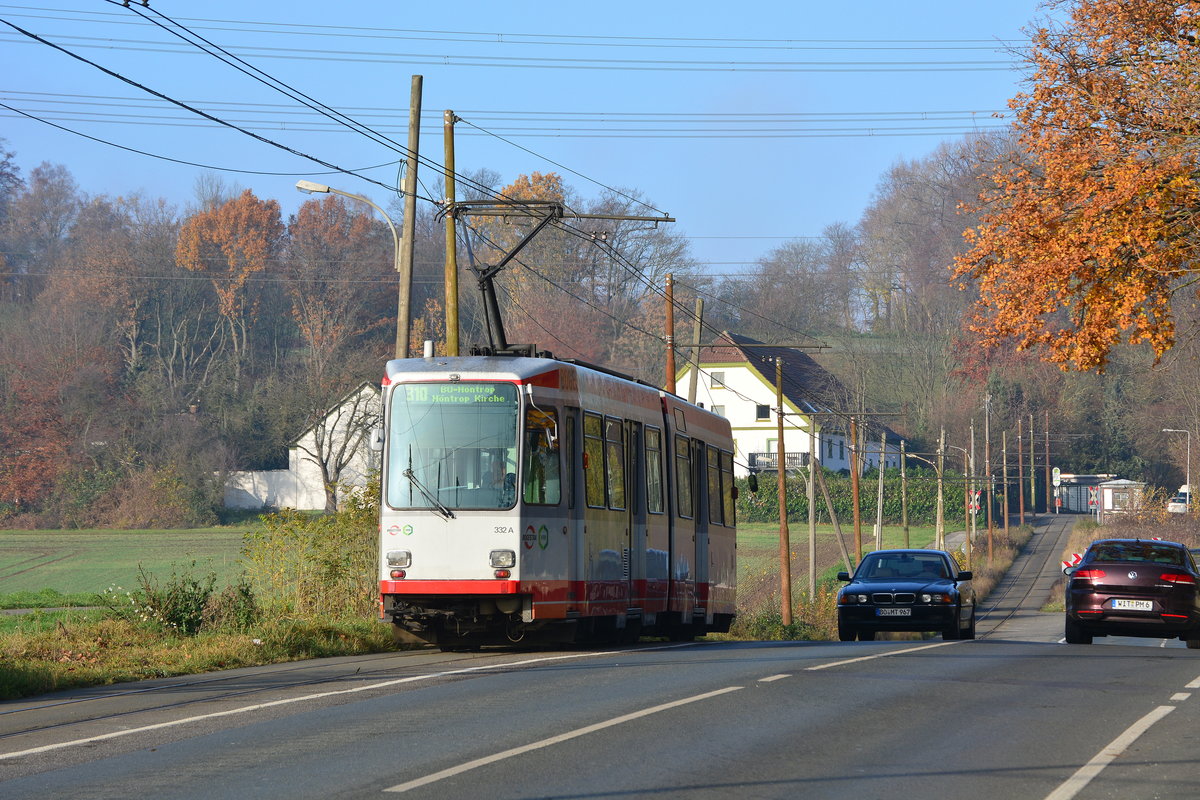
[1133, 587]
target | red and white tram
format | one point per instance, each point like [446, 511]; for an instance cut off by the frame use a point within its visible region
[532, 499]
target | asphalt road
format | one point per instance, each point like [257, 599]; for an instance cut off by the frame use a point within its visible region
[1013, 714]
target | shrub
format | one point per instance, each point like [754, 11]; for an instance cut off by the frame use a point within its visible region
[318, 565]
[158, 498]
[178, 605]
[234, 608]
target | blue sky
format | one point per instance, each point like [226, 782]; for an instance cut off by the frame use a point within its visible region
[749, 123]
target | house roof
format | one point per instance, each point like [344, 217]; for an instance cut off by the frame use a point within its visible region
[807, 385]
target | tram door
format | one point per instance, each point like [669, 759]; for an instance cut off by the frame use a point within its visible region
[700, 485]
[575, 508]
[635, 498]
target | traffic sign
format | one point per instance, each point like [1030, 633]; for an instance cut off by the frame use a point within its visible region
[1057, 476]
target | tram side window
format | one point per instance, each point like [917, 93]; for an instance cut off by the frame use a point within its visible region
[615, 461]
[654, 476]
[593, 459]
[716, 509]
[727, 497]
[683, 477]
[543, 484]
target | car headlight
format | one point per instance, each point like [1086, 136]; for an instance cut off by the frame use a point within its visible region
[503, 559]
[399, 558]
[850, 598]
[936, 597]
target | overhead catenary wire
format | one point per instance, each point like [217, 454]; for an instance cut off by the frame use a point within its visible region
[194, 110]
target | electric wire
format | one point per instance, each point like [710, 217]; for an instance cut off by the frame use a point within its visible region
[194, 110]
[575, 40]
[169, 158]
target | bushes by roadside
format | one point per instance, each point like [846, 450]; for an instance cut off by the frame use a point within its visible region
[309, 592]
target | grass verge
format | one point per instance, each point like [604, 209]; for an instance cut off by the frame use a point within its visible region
[60, 651]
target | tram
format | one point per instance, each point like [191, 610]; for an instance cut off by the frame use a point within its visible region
[533, 500]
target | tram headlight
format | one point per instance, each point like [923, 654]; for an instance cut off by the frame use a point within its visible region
[399, 558]
[503, 559]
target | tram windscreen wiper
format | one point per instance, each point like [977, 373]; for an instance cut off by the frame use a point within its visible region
[428, 495]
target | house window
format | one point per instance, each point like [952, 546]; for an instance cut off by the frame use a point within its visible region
[717, 380]
[842, 449]
[719, 410]
[762, 412]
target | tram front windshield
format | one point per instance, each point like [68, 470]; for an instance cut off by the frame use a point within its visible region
[452, 446]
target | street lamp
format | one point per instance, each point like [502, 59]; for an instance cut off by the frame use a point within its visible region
[309, 187]
[1189, 462]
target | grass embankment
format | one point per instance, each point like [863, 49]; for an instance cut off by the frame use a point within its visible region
[1146, 524]
[185, 602]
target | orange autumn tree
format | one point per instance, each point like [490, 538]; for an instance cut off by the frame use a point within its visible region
[1084, 237]
[230, 243]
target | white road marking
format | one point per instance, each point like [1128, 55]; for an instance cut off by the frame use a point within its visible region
[1075, 784]
[1179, 697]
[877, 655]
[770, 678]
[317, 696]
[1194, 684]
[516, 751]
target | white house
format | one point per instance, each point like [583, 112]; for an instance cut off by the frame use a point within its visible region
[335, 449]
[736, 379]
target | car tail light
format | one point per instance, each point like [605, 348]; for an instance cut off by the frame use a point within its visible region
[1091, 574]
[398, 573]
[1173, 616]
[1175, 577]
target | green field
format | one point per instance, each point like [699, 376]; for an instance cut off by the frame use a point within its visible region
[77, 561]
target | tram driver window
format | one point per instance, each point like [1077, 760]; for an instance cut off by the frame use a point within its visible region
[543, 484]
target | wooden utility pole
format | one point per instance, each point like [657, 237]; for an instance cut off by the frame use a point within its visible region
[1032, 474]
[451, 265]
[694, 376]
[813, 466]
[669, 383]
[409, 225]
[837, 527]
[879, 496]
[785, 549]
[854, 488]
[1049, 483]
[904, 494]
[940, 524]
[987, 467]
[1020, 471]
[1004, 456]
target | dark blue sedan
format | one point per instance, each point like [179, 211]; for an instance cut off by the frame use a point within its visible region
[906, 590]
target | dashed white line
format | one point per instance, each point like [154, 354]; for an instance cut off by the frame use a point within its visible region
[1179, 697]
[317, 696]
[1194, 684]
[516, 751]
[771, 678]
[1075, 784]
[877, 655]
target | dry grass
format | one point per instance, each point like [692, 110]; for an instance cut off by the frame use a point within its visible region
[100, 652]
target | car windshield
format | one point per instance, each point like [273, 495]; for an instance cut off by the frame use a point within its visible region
[1138, 551]
[906, 566]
